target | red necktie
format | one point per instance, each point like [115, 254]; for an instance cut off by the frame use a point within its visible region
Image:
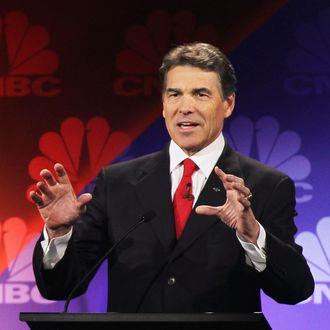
[183, 197]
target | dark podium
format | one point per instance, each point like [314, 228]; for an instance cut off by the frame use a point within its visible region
[141, 321]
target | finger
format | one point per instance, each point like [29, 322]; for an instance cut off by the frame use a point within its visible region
[234, 179]
[228, 177]
[84, 199]
[245, 191]
[222, 176]
[44, 189]
[61, 173]
[48, 177]
[36, 198]
[219, 172]
[245, 202]
[207, 210]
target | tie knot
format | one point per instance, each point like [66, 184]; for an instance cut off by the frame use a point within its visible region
[189, 167]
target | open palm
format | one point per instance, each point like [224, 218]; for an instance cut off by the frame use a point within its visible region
[56, 201]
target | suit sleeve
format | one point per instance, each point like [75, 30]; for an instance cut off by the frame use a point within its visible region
[88, 243]
[287, 277]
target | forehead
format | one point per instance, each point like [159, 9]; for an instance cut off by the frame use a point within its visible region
[186, 77]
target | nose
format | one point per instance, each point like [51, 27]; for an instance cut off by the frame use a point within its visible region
[186, 105]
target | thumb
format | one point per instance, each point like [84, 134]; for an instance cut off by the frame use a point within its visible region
[84, 199]
[207, 210]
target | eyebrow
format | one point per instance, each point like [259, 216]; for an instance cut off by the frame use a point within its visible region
[194, 91]
[173, 90]
[202, 90]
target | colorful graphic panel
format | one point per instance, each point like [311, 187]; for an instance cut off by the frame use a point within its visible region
[79, 85]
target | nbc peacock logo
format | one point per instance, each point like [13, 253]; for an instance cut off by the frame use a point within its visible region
[316, 247]
[146, 45]
[17, 284]
[83, 149]
[309, 61]
[27, 66]
[264, 141]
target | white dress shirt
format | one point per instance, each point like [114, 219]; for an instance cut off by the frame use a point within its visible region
[205, 159]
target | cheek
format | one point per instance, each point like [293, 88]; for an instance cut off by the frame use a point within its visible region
[167, 117]
[215, 124]
[169, 121]
[168, 112]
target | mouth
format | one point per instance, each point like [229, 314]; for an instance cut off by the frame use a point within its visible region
[187, 125]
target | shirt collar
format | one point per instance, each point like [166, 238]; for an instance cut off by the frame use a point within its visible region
[205, 159]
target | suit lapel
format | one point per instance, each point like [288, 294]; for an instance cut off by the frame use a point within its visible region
[213, 194]
[154, 192]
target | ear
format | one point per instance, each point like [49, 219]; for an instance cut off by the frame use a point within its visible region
[229, 105]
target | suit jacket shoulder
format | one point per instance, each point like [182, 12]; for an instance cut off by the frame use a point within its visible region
[135, 169]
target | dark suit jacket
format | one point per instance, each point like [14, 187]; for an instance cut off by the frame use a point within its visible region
[205, 270]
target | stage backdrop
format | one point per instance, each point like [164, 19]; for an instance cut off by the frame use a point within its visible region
[78, 85]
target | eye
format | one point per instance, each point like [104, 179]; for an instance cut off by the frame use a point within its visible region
[202, 94]
[173, 94]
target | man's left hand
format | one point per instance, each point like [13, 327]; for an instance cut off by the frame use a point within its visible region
[236, 212]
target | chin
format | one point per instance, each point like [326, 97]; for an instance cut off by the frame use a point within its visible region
[188, 145]
[190, 150]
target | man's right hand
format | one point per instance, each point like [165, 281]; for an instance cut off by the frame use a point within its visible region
[57, 202]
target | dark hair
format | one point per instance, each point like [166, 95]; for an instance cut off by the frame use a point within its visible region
[205, 57]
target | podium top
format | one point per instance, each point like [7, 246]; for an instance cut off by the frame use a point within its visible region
[144, 320]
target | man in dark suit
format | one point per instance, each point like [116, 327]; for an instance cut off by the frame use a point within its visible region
[224, 224]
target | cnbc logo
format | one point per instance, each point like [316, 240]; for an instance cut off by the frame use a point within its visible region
[309, 60]
[26, 64]
[146, 44]
[316, 249]
[17, 285]
[264, 141]
[83, 149]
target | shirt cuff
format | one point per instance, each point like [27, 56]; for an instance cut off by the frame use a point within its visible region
[255, 256]
[54, 249]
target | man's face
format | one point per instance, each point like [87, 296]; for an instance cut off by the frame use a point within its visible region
[194, 108]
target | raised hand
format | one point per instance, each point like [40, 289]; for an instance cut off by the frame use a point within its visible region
[56, 201]
[236, 212]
